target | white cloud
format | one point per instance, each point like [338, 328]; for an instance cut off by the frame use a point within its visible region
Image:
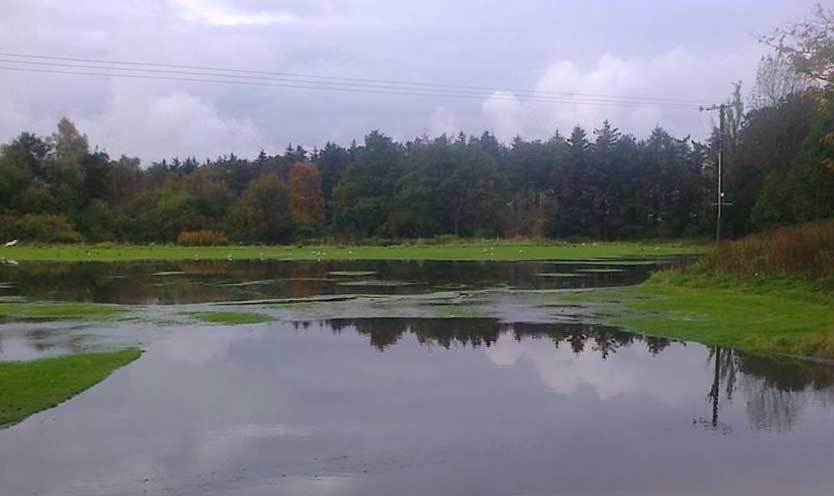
[444, 121]
[584, 94]
[504, 115]
[168, 124]
[217, 13]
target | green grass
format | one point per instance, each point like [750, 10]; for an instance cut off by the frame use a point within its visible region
[59, 311]
[231, 318]
[773, 315]
[30, 387]
[504, 251]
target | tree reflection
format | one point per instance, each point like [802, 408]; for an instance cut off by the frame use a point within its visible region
[447, 333]
[776, 391]
[723, 362]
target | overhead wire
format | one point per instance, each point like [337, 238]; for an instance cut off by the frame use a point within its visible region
[216, 75]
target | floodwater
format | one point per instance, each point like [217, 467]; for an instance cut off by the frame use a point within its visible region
[353, 399]
[180, 282]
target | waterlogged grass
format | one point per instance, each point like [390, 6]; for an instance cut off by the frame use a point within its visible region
[455, 311]
[502, 251]
[30, 387]
[765, 315]
[59, 311]
[351, 273]
[231, 318]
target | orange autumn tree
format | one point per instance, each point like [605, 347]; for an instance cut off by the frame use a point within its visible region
[306, 199]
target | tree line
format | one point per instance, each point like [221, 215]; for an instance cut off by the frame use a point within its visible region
[607, 186]
[603, 184]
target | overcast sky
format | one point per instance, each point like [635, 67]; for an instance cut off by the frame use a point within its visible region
[681, 49]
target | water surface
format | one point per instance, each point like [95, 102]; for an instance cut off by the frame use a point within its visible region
[354, 397]
[189, 281]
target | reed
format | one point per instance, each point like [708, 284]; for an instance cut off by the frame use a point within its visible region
[806, 250]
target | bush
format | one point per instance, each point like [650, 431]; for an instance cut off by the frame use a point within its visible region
[38, 227]
[807, 249]
[202, 238]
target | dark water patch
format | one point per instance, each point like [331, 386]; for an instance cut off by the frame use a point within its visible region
[291, 301]
[377, 284]
[190, 281]
[560, 274]
[243, 284]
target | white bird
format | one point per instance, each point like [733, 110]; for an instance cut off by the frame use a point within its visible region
[10, 244]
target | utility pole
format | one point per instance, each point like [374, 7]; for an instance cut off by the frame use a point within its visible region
[720, 190]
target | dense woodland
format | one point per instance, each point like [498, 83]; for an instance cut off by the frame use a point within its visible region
[595, 184]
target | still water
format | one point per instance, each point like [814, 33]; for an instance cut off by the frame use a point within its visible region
[180, 282]
[441, 406]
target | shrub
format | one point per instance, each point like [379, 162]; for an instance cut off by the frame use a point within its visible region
[202, 238]
[807, 249]
[38, 227]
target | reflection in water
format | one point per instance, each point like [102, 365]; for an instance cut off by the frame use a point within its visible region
[776, 390]
[385, 332]
[432, 406]
[723, 369]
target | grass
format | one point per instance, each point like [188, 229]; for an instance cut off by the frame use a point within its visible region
[231, 318]
[58, 311]
[501, 251]
[768, 293]
[763, 316]
[30, 387]
[805, 250]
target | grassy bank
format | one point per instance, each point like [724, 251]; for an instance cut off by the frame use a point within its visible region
[778, 315]
[231, 318]
[58, 311]
[505, 251]
[769, 293]
[29, 387]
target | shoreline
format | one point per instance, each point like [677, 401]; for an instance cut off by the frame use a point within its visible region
[768, 316]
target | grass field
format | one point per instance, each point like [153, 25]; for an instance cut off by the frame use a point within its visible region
[29, 387]
[773, 315]
[59, 311]
[505, 251]
[231, 318]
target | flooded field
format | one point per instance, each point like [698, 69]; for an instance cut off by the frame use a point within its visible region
[381, 378]
[179, 282]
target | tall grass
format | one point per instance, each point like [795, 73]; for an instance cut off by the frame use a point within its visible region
[806, 250]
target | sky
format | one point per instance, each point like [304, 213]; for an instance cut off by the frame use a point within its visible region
[521, 52]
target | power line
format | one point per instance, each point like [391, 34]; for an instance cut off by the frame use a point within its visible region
[318, 84]
[342, 78]
[309, 81]
[277, 84]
